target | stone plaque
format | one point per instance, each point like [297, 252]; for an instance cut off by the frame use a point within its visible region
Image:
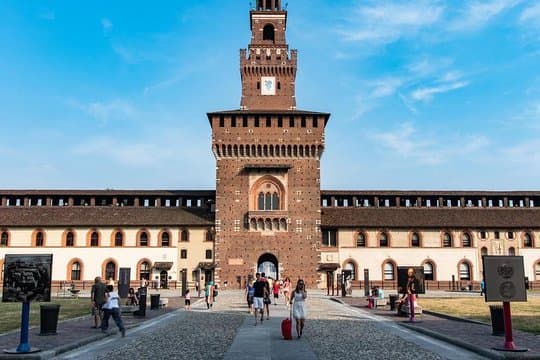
[504, 277]
[233, 261]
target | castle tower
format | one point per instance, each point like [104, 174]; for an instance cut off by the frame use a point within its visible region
[267, 165]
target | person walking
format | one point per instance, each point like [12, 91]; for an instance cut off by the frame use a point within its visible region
[112, 308]
[276, 287]
[97, 297]
[287, 290]
[209, 294]
[412, 290]
[250, 293]
[187, 300]
[298, 300]
[259, 289]
[267, 301]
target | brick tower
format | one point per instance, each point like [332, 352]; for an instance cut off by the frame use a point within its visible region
[267, 165]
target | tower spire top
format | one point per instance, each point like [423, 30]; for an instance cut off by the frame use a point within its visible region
[269, 5]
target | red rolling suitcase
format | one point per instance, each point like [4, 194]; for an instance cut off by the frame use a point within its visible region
[286, 329]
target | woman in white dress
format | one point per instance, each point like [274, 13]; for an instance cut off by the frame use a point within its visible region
[298, 297]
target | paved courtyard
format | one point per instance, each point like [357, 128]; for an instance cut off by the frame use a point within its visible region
[333, 331]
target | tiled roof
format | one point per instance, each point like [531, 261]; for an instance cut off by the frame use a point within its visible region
[431, 217]
[104, 216]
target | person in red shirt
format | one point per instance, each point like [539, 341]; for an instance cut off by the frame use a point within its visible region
[275, 289]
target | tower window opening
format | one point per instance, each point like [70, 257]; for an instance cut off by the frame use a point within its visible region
[268, 32]
[268, 122]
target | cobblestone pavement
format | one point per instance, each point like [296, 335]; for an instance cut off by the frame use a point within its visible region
[475, 334]
[333, 331]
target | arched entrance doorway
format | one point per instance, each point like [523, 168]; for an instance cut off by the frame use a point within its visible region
[268, 264]
[163, 280]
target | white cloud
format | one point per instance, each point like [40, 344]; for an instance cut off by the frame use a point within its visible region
[527, 152]
[106, 24]
[531, 15]
[426, 93]
[407, 142]
[478, 13]
[387, 22]
[385, 86]
[104, 111]
[447, 82]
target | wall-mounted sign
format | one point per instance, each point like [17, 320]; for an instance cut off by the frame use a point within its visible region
[27, 278]
[236, 261]
[504, 277]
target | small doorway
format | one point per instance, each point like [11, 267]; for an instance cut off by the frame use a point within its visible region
[268, 264]
[164, 279]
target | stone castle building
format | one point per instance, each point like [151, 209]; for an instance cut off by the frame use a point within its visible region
[268, 211]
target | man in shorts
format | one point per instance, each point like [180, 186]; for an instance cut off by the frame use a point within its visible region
[259, 287]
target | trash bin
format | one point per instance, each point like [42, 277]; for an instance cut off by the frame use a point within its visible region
[497, 320]
[392, 298]
[48, 319]
[154, 301]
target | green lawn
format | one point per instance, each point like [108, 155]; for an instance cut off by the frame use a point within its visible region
[10, 313]
[525, 315]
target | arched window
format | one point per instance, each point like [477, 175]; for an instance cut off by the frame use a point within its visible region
[415, 240]
[94, 239]
[40, 239]
[383, 240]
[260, 201]
[110, 270]
[527, 240]
[464, 271]
[118, 239]
[466, 240]
[165, 239]
[70, 240]
[184, 236]
[275, 201]
[428, 271]
[4, 239]
[388, 271]
[361, 239]
[76, 271]
[511, 251]
[144, 271]
[447, 240]
[349, 267]
[143, 239]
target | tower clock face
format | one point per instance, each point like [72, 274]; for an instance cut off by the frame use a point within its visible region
[268, 85]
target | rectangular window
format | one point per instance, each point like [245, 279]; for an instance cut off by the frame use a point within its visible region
[315, 122]
[303, 122]
[233, 121]
[183, 254]
[257, 121]
[268, 122]
[244, 121]
[329, 238]
[510, 235]
[483, 235]
[208, 254]
[221, 122]
[291, 122]
[497, 235]
[280, 121]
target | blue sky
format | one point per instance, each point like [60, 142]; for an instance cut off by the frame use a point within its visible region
[423, 94]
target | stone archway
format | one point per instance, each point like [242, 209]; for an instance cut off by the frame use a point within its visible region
[268, 264]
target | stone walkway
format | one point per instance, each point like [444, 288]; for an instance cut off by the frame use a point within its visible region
[333, 330]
